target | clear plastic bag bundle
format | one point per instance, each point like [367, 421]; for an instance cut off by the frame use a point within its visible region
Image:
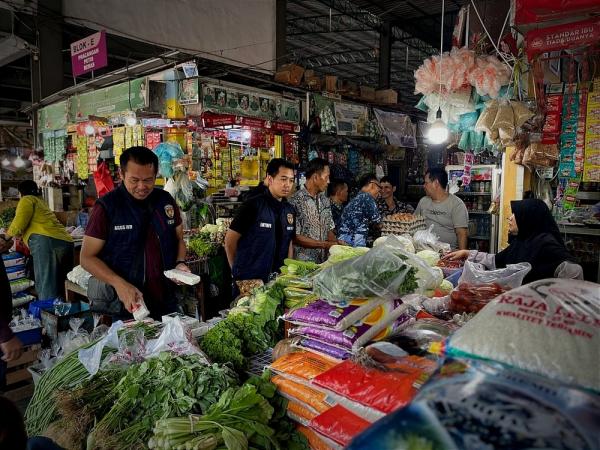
[387, 271]
[509, 277]
[428, 240]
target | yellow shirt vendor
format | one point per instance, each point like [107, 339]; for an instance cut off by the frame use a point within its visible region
[50, 245]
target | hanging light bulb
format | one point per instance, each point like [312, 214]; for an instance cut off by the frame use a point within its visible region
[5, 162]
[89, 129]
[19, 162]
[438, 131]
[246, 134]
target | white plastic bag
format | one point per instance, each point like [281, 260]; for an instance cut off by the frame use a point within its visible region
[174, 338]
[509, 277]
[91, 357]
[428, 240]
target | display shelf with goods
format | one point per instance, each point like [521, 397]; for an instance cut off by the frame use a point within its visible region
[478, 195]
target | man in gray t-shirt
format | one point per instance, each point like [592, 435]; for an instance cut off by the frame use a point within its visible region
[446, 212]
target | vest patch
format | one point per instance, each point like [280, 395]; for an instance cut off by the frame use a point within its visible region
[266, 225]
[290, 228]
[123, 227]
[171, 222]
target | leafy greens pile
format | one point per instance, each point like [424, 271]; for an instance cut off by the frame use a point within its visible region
[249, 329]
[252, 416]
[380, 272]
[157, 388]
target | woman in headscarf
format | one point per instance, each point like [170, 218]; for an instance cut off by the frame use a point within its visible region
[535, 239]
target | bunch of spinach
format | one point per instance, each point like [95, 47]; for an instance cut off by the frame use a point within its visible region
[242, 418]
[160, 387]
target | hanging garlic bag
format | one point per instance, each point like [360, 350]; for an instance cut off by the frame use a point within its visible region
[486, 120]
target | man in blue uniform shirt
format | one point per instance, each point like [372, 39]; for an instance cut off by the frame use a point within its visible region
[260, 236]
[360, 213]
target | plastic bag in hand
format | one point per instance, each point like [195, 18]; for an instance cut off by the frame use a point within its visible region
[509, 277]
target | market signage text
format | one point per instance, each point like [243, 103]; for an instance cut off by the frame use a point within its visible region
[89, 54]
[562, 36]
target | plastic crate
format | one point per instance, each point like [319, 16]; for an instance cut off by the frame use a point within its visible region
[30, 337]
[55, 324]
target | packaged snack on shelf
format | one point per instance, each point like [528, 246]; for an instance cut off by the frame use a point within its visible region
[339, 424]
[302, 366]
[384, 391]
[546, 327]
[361, 332]
[302, 394]
[12, 259]
[300, 413]
[482, 405]
[337, 316]
[324, 349]
[317, 441]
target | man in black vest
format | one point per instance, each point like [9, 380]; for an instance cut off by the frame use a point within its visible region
[260, 236]
[134, 234]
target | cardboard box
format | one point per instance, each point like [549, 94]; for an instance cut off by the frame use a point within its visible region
[290, 74]
[388, 96]
[308, 73]
[349, 88]
[314, 83]
[367, 93]
[330, 83]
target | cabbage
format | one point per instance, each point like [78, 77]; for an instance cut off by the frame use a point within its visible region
[425, 274]
[339, 253]
[404, 241]
[446, 286]
[429, 256]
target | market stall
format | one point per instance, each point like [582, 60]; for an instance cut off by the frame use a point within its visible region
[371, 336]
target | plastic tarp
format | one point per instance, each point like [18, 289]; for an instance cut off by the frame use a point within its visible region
[398, 128]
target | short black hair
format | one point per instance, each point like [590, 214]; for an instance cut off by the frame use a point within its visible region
[316, 165]
[439, 174]
[140, 155]
[28, 187]
[386, 179]
[277, 163]
[366, 179]
[335, 186]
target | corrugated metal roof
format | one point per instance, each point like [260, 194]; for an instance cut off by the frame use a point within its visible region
[341, 37]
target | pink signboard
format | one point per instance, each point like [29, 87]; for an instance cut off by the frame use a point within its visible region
[89, 53]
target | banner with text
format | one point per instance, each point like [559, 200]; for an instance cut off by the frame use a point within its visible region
[129, 96]
[227, 100]
[53, 117]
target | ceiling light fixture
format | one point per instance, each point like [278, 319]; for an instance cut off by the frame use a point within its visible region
[438, 131]
[19, 162]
